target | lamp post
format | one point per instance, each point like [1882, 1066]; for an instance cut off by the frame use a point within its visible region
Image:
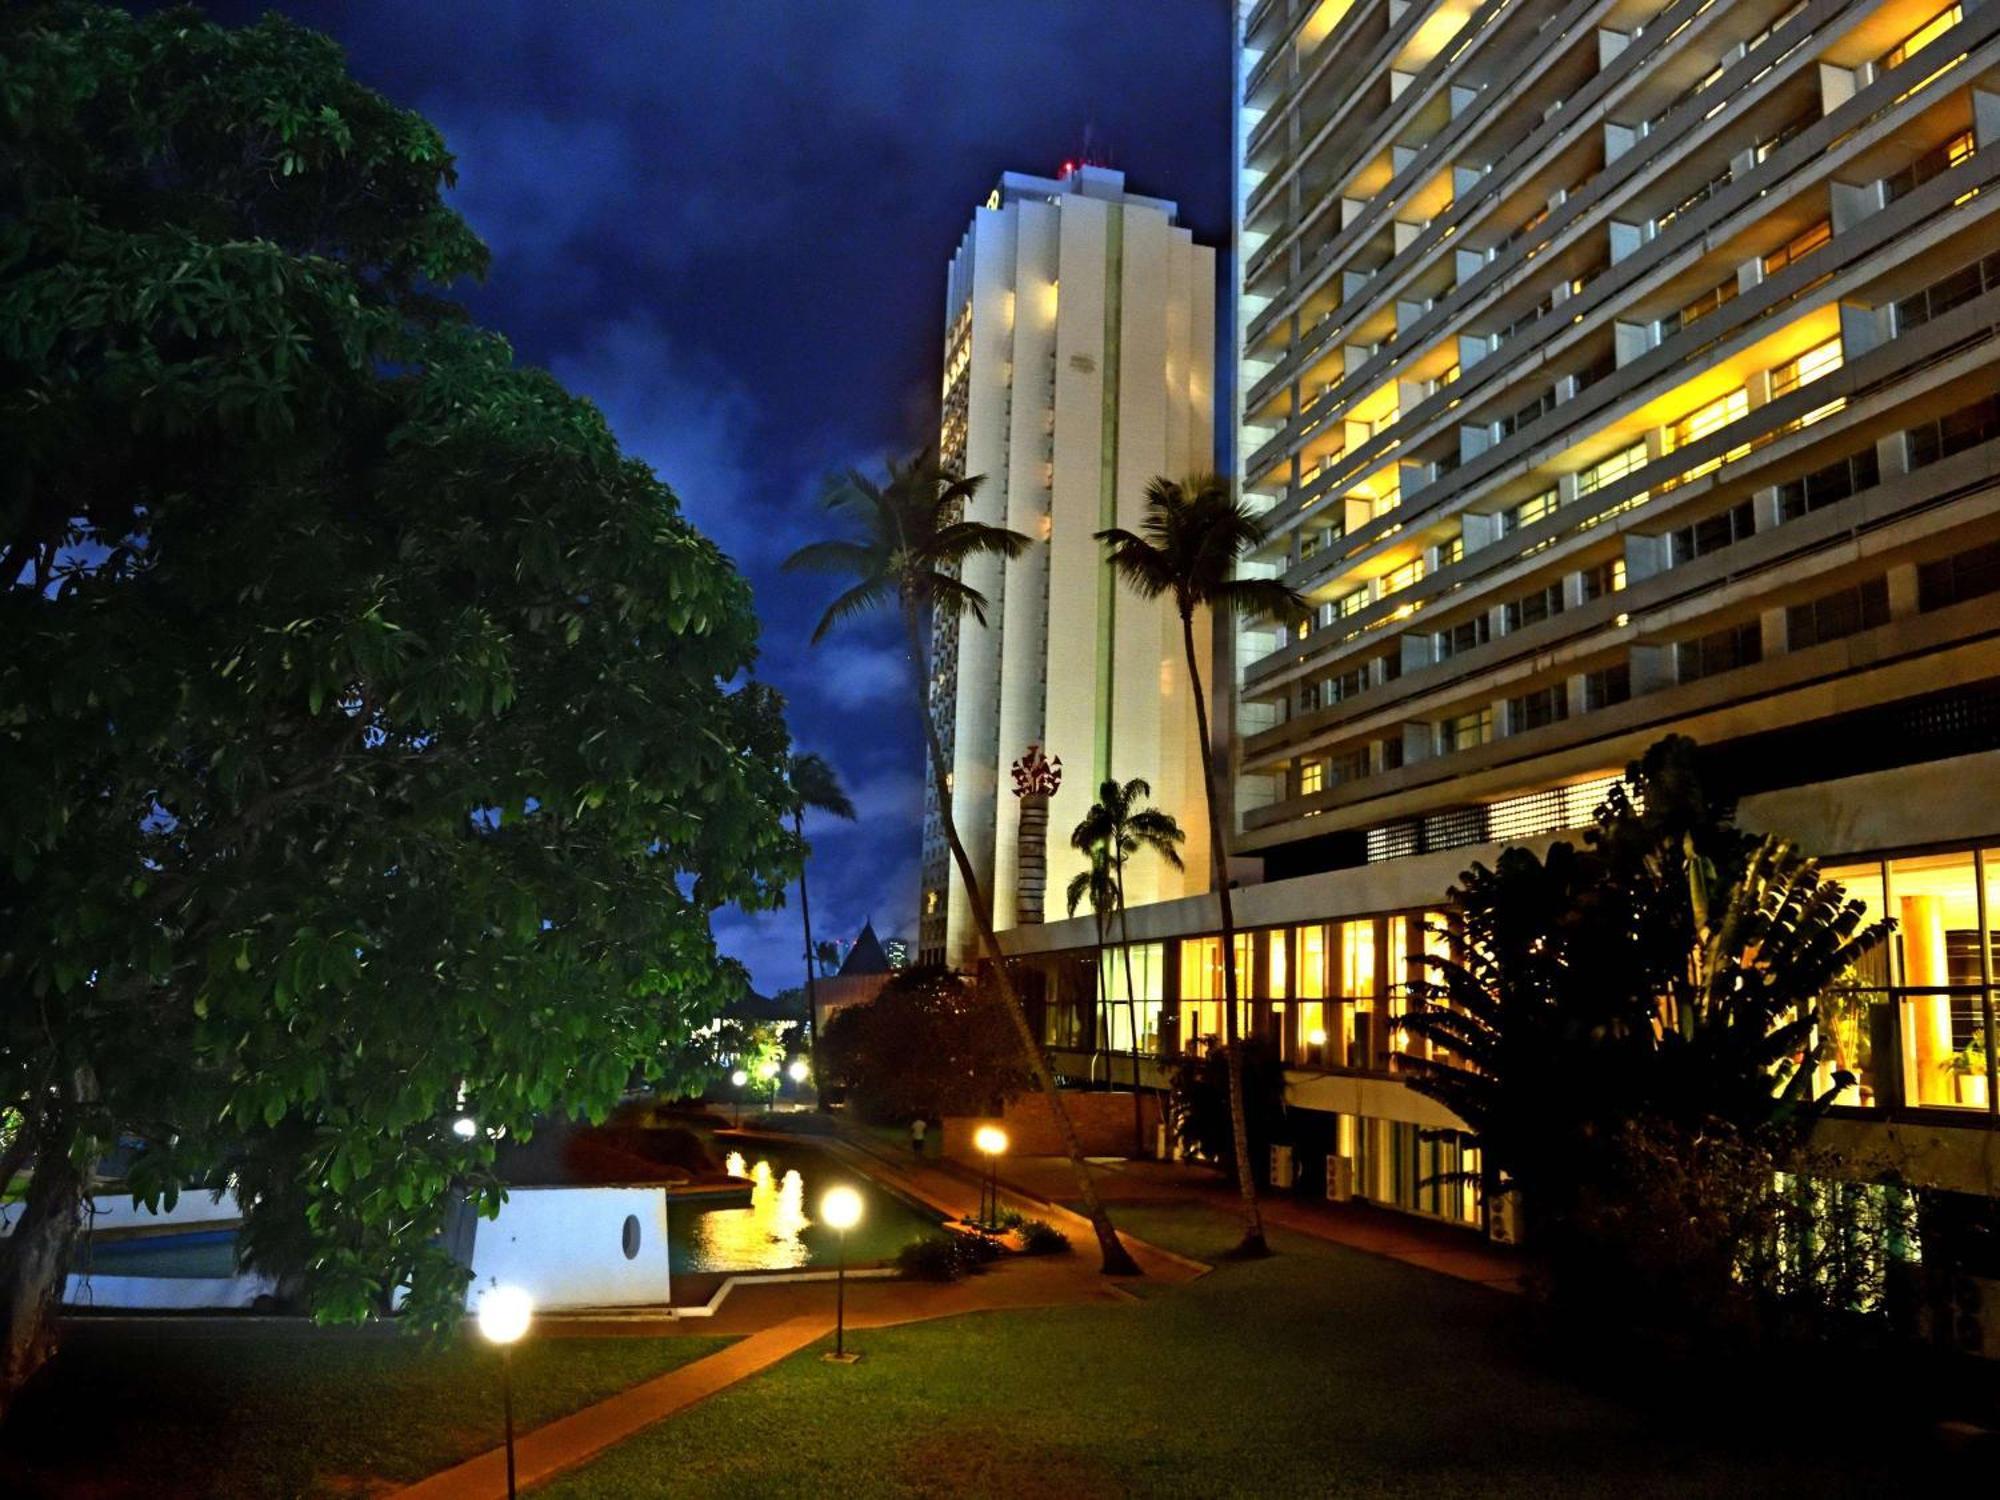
[737, 1080]
[504, 1315]
[841, 1209]
[1317, 1038]
[992, 1140]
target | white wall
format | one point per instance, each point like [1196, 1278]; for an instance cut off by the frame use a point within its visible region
[564, 1246]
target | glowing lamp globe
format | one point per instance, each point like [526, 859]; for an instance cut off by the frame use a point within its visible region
[768, 1070]
[739, 1078]
[1317, 1036]
[991, 1139]
[798, 1070]
[841, 1208]
[465, 1127]
[504, 1314]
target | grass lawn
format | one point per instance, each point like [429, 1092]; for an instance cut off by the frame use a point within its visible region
[1319, 1372]
[230, 1409]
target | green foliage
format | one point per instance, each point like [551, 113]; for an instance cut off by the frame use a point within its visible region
[1039, 1237]
[1198, 1105]
[1669, 974]
[363, 706]
[930, 1044]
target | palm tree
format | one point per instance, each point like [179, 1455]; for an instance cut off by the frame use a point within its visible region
[814, 785]
[913, 547]
[1187, 548]
[1098, 885]
[1121, 828]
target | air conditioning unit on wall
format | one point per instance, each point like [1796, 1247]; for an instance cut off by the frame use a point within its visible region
[1503, 1219]
[1283, 1173]
[1339, 1179]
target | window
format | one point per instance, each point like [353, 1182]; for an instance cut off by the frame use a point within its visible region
[1721, 651]
[1465, 731]
[1450, 552]
[1347, 684]
[1941, 296]
[1709, 301]
[1972, 574]
[1308, 697]
[1816, 363]
[1954, 432]
[1348, 604]
[1608, 577]
[1711, 418]
[1351, 766]
[1711, 535]
[1838, 614]
[1312, 777]
[1607, 686]
[1824, 487]
[1401, 578]
[1922, 37]
[1534, 710]
[1449, 643]
[1938, 160]
[1357, 959]
[1532, 609]
[1392, 753]
[1799, 247]
[1527, 512]
[1612, 469]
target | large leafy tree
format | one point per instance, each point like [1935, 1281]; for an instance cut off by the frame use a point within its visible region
[1119, 827]
[930, 1044]
[1668, 972]
[367, 757]
[1187, 549]
[816, 786]
[912, 544]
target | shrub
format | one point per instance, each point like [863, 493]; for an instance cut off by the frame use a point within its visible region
[930, 1260]
[1038, 1238]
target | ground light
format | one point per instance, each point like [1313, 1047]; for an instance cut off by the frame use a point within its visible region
[504, 1315]
[798, 1070]
[992, 1140]
[840, 1210]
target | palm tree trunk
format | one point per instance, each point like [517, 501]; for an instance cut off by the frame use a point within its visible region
[812, 984]
[1131, 1011]
[1117, 1260]
[1253, 1242]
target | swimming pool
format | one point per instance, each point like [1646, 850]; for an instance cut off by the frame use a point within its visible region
[776, 1232]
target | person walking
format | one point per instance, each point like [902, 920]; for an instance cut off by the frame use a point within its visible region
[917, 1128]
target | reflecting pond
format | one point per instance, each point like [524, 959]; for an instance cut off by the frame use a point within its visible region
[777, 1231]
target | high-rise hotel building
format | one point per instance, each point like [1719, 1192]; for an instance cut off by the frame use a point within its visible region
[1079, 363]
[1607, 370]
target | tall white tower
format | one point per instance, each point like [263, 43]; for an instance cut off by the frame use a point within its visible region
[1079, 364]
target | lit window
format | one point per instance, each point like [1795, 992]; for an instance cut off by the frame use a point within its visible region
[1312, 778]
[1410, 572]
[1527, 512]
[1922, 37]
[1610, 470]
[1712, 417]
[1798, 247]
[1816, 363]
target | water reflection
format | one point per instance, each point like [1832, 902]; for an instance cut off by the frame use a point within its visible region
[768, 1235]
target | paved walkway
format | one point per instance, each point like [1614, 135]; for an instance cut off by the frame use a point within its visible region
[569, 1441]
[1444, 1248]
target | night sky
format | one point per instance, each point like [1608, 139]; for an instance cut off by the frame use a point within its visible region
[728, 224]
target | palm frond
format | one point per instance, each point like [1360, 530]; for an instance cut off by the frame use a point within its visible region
[874, 593]
[855, 558]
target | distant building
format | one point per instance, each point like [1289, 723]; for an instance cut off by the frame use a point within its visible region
[862, 974]
[1079, 354]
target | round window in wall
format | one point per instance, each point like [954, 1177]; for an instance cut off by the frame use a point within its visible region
[630, 1237]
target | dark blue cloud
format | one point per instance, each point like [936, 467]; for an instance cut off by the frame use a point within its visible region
[728, 224]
